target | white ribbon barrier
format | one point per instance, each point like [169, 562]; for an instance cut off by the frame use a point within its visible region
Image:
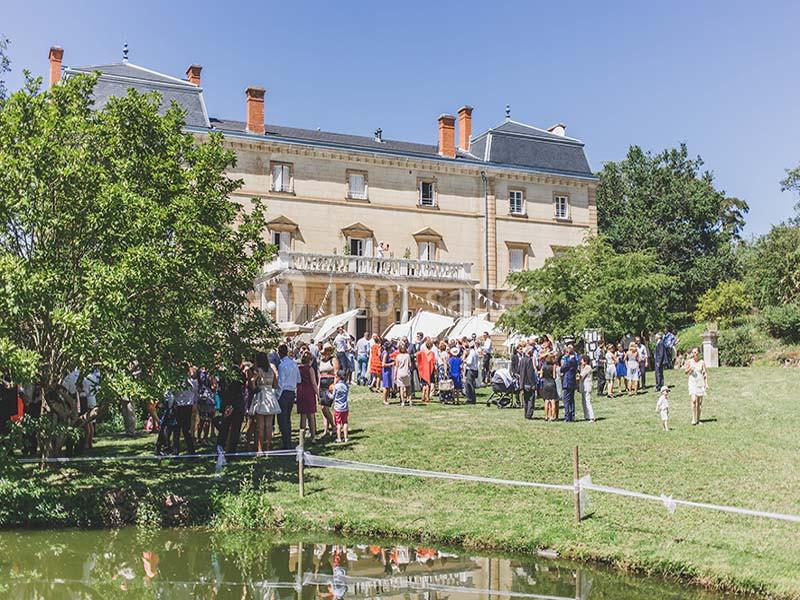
[580, 486]
[336, 463]
[671, 503]
[156, 457]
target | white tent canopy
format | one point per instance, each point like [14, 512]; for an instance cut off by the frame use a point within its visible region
[467, 326]
[329, 325]
[428, 323]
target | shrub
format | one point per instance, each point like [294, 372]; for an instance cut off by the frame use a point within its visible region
[690, 337]
[738, 346]
[783, 322]
[727, 303]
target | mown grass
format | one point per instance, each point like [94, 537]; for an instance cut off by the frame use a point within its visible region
[745, 454]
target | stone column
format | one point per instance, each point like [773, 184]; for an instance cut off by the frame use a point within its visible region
[282, 308]
[465, 301]
[403, 304]
[710, 351]
[351, 304]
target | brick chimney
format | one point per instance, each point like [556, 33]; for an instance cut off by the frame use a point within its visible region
[193, 74]
[447, 136]
[464, 127]
[56, 54]
[255, 109]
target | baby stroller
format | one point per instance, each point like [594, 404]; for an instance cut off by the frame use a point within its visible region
[447, 393]
[505, 390]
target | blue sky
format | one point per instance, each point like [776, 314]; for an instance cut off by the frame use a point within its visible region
[720, 76]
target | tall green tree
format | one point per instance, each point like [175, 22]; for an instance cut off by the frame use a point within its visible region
[5, 64]
[119, 244]
[591, 286]
[792, 184]
[667, 203]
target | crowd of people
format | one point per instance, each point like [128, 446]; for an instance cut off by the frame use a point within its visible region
[238, 407]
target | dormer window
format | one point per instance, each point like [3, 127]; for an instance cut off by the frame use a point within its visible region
[427, 192]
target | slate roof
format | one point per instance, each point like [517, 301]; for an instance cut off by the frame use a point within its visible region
[116, 79]
[510, 144]
[513, 143]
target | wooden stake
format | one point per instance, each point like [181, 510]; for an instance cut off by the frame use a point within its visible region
[301, 464]
[576, 475]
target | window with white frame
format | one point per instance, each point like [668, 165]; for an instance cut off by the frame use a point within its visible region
[516, 259]
[427, 193]
[427, 250]
[282, 239]
[561, 206]
[357, 186]
[357, 246]
[281, 177]
[516, 202]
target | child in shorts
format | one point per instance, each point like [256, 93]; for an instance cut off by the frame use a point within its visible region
[341, 405]
[662, 407]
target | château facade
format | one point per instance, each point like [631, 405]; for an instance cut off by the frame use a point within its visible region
[385, 226]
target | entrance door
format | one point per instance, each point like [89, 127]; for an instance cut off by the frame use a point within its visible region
[362, 323]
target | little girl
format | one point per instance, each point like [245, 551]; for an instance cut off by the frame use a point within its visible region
[662, 407]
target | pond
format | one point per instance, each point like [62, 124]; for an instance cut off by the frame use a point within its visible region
[193, 563]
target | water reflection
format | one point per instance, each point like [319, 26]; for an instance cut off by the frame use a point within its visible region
[197, 564]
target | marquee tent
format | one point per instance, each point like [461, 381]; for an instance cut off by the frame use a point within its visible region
[467, 326]
[329, 325]
[429, 323]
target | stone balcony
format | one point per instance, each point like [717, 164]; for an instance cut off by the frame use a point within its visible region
[369, 267]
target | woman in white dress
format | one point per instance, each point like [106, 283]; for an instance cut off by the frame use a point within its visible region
[611, 369]
[695, 368]
[632, 369]
[265, 402]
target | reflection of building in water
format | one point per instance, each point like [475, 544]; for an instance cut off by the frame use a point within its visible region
[402, 571]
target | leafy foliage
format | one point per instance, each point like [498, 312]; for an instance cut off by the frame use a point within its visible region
[738, 346]
[792, 183]
[119, 245]
[727, 303]
[591, 286]
[772, 267]
[5, 65]
[783, 322]
[667, 204]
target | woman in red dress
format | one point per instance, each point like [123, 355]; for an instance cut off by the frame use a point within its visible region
[375, 364]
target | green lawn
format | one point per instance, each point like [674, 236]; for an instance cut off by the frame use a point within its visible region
[746, 454]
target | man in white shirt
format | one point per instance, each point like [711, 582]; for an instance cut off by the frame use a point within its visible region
[644, 360]
[471, 371]
[341, 344]
[486, 351]
[363, 346]
[288, 380]
[185, 400]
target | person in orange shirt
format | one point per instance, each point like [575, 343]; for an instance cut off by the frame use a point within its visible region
[375, 364]
[426, 366]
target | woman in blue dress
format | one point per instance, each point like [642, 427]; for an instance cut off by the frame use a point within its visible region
[455, 368]
[387, 367]
[622, 370]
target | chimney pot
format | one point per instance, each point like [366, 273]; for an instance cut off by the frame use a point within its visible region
[55, 56]
[193, 74]
[447, 136]
[255, 109]
[464, 127]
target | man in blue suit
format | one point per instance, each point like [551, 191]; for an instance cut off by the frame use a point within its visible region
[660, 361]
[569, 375]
